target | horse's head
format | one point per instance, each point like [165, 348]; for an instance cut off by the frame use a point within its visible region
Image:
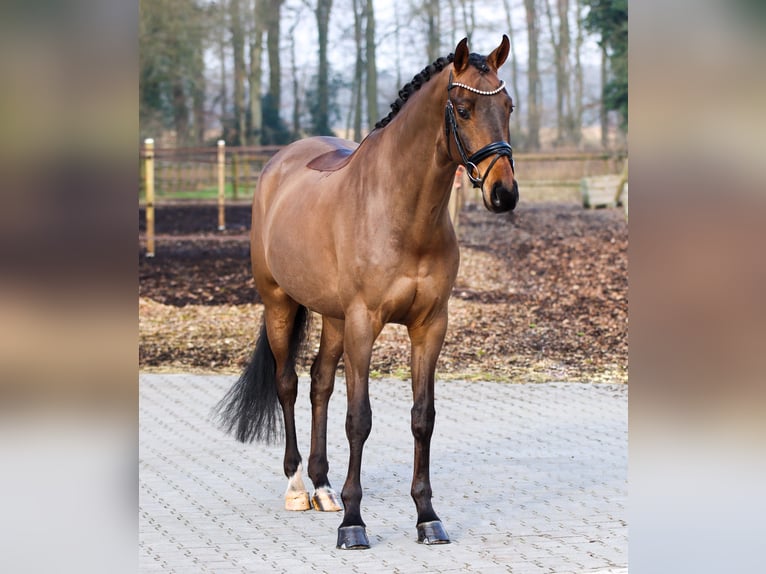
[477, 120]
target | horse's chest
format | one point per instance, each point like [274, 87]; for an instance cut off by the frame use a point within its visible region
[412, 290]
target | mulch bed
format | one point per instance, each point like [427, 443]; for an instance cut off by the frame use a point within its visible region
[542, 295]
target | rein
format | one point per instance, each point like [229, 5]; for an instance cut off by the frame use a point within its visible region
[498, 149]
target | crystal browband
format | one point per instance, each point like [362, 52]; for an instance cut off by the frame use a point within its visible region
[480, 92]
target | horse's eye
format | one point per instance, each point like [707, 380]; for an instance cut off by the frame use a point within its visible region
[463, 113]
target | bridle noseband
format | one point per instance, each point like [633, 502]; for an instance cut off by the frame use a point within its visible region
[498, 149]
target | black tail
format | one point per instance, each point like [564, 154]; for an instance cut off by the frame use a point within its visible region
[250, 409]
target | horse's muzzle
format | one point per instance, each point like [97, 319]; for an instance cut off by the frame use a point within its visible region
[503, 199]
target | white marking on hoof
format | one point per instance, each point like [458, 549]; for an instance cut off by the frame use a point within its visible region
[325, 499]
[296, 495]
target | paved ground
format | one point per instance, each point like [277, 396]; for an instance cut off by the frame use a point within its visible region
[526, 478]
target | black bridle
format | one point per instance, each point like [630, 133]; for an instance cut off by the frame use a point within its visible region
[498, 149]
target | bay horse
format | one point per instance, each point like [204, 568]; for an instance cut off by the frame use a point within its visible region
[360, 234]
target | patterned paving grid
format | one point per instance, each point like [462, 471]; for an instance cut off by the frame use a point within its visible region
[527, 479]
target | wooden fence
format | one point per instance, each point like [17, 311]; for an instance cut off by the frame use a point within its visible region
[231, 173]
[202, 173]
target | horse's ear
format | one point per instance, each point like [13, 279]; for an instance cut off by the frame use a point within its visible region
[500, 54]
[461, 56]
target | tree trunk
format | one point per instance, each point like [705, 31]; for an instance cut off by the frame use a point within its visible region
[434, 33]
[238, 49]
[533, 78]
[603, 116]
[469, 18]
[356, 89]
[272, 46]
[192, 68]
[453, 23]
[560, 47]
[515, 128]
[198, 95]
[256, 74]
[180, 111]
[562, 69]
[296, 128]
[372, 68]
[397, 40]
[578, 79]
[323, 20]
[224, 100]
[354, 114]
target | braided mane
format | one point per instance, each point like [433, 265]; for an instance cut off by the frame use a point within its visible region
[478, 61]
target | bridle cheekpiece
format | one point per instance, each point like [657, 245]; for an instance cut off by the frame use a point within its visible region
[498, 149]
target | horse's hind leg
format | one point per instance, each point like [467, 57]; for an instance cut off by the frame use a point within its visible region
[285, 321]
[322, 383]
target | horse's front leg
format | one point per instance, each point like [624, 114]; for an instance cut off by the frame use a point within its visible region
[427, 340]
[360, 333]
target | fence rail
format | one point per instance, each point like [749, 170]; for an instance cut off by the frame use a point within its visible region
[190, 172]
[223, 173]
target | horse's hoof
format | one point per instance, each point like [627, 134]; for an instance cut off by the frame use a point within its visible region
[297, 500]
[352, 538]
[326, 500]
[432, 533]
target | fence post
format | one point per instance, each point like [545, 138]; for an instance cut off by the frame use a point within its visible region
[149, 185]
[221, 184]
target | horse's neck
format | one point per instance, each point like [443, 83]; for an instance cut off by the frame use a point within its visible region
[411, 154]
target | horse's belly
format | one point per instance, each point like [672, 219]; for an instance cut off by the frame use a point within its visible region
[302, 262]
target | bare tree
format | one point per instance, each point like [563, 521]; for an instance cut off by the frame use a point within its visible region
[372, 68]
[223, 98]
[469, 18]
[453, 22]
[514, 62]
[198, 98]
[273, 20]
[238, 50]
[533, 78]
[561, 60]
[578, 77]
[296, 123]
[433, 15]
[563, 73]
[603, 115]
[255, 76]
[356, 87]
[397, 40]
[322, 12]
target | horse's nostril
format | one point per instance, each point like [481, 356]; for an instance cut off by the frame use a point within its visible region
[502, 198]
[496, 197]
